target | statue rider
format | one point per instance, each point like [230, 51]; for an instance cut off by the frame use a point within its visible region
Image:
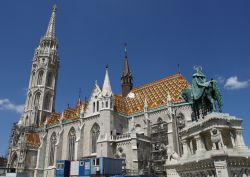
[199, 83]
[203, 94]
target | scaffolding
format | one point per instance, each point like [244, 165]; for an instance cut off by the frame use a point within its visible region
[159, 140]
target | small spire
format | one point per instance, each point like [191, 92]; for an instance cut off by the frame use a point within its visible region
[52, 24]
[178, 66]
[79, 102]
[79, 93]
[106, 89]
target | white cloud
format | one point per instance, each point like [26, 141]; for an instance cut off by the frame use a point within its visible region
[233, 83]
[7, 105]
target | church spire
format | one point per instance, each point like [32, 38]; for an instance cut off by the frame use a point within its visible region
[126, 65]
[40, 101]
[52, 25]
[106, 89]
[126, 78]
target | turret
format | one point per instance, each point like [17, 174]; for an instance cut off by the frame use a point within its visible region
[106, 119]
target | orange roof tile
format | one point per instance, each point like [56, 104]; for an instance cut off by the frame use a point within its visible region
[33, 139]
[70, 114]
[155, 92]
[53, 118]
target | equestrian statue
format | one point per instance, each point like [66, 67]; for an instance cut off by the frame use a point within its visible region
[205, 96]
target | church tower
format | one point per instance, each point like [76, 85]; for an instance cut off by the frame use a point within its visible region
[126, 78]
[41, 94]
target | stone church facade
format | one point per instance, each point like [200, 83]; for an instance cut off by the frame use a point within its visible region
[120, 125]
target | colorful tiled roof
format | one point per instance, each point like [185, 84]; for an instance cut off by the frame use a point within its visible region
[53, 118]
[155, 92]
[32, 139]
[70, 114]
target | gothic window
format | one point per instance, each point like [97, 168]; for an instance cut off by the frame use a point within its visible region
[50, 79]
[97, 106]
[13, 163]
[29, 101]
[93, 107]
[71, 144]
[37, 99]
[40, 78]
[52, 149]
[33, 78]
[95, 131]
[107, 104]
[47, 102]
[26, 121]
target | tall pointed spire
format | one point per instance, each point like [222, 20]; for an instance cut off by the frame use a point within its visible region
[126, 65]
[106, 88]
[126, 78]
[52, 25]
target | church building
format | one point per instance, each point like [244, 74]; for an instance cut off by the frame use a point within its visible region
[155, 127]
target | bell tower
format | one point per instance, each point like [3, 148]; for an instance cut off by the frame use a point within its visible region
[126, 78]
[41, 94]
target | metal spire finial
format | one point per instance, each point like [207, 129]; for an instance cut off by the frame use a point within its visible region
[54, 8]
[125, 50]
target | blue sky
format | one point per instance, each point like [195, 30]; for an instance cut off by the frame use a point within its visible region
[160, 34]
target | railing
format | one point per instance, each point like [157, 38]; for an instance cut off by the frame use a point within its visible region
[121, 137]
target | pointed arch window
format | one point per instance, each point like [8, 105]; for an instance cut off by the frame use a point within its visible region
[97, 106]
[33, 79]
[29, 101]
[93, 107]
[52, 149]
[71, 143]
[40, 78]
[47, 102]
[50, 79]
[37, 99]
[26, 121]
[13, 163]
[95, 131]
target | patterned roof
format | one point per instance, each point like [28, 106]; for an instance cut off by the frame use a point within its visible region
[53, 118]
[155, 93]
[33, 139]
[68, 114]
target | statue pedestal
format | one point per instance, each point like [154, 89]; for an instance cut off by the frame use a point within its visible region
[213, 146]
